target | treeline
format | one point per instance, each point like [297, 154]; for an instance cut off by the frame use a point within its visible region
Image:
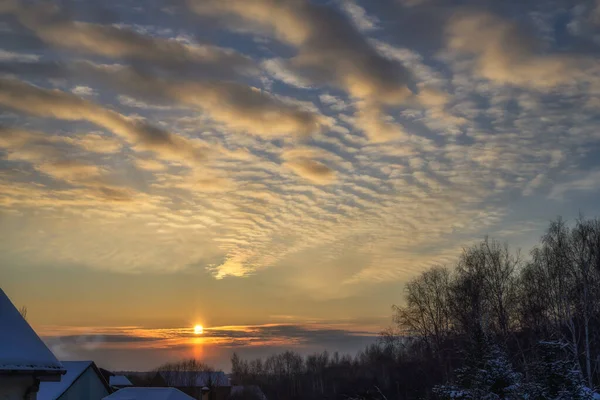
[496, 325]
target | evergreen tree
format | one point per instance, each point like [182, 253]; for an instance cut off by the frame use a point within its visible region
[555, 376]
[486, 375]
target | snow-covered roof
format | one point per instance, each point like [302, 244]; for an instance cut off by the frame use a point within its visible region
[119, 380]
[195, 378]
[148, 393]
[53, 390]
[253, 389]
[21, 349]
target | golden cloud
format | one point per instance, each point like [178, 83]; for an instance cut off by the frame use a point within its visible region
[330, 48]
[238, 106]
[95, 143]
[50, 25]
[70, 170]
[377, 126]
[312, 170]
[505, 55]
[301, 162]
[42, 102]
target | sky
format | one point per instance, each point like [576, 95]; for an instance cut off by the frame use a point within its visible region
[276, 170]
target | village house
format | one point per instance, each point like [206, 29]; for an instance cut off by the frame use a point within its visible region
[148, 393]
[119, 382]
[25, 361]
[201, 385]
[83, 380]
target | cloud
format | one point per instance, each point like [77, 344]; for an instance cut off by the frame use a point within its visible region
[96, 143]
[596, 13]
[359, 16]
[50, 25]
[98, 339]
[140, 349]
[412, 3]
[335, 103]
[57, 156]
[534, 184]
[312, 170]
[236, 266]
[8, 56]
[131, 102]
[149, 164]
[249, 109]
[303, 162]
[378, 127]
[435, 102]
[41, 102]
[225, 336]
[15, 138]
[278, 69]
[238, 106]
[197, 180]
[589, 182]
[330, 49]
[506, 55]
[70, 170]
[412, 156]
[83, 91]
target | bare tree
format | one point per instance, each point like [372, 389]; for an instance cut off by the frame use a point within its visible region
[500, 283]
[484, 292]
[23, 312]
[427, 313]
[191, 374]
[583, 242]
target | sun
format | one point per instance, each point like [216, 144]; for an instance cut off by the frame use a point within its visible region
[198, 330]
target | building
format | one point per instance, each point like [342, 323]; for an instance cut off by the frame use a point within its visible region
[83, 380]
[148, 393]
[247, 392]
[119, 382]
[201, 385]
[25, 361]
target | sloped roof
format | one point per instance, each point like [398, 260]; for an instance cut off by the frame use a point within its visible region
[21, 349]
[53, 390]
[241, 389]
[148, 393]
[119, 380]
[195, 378]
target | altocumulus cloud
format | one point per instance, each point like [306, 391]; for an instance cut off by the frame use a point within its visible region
[297, 138]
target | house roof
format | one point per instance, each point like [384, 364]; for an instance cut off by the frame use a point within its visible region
[194, 378]
[21, 349]
[242, 389]
[148, 393]
[53, 390]
[119, 380]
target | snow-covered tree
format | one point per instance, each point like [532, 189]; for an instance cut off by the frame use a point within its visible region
[555, 376]
[486, 375]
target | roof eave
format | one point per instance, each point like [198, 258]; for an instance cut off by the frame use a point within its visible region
[44, 375]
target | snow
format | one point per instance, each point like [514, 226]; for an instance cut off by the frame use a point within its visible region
[255, 390]
[21, 349]
[53, 390]
[119, 380]
[148, 393]
[195, 378]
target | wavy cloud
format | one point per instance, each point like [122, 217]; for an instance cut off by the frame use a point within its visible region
[306, 145]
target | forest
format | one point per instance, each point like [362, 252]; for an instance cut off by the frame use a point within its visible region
[498, 324]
